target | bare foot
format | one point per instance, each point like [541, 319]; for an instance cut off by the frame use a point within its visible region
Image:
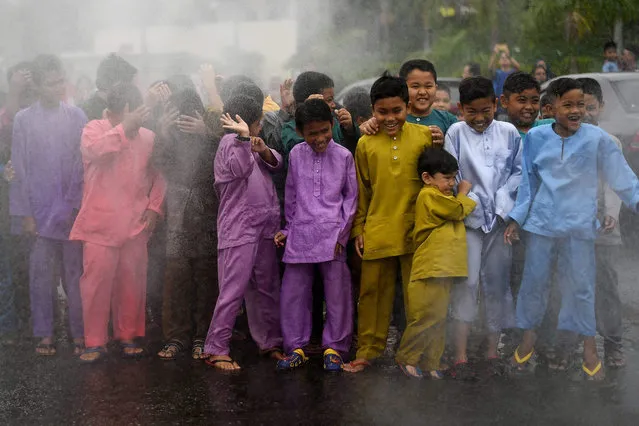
[93, 354]
[357, 365]
[46, 347]
[129, 348]
[222, 362]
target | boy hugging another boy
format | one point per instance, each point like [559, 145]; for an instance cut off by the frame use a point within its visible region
[489, 155]
[385, 218]
[321, 198]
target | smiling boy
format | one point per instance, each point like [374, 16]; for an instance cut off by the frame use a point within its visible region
[385, 218]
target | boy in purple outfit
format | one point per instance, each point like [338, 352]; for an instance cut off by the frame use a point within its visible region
[248, 218]
[46, 193]
[320, 204]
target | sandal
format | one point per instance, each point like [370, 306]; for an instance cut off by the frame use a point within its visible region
[100, 350]
[333, 361]
[216, 362]
[171, 350]
[357, 366]
[592, 374]
[418, 372]
[132, 354]
[45, 349]
[197, 349]
[522, 363]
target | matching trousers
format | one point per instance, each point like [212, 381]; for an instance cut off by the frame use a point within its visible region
[248, 273]
[575, 277]
[50, 259]
[424, 339]
[377, 291]
[489, 265]
[114, 282]
[297, 305]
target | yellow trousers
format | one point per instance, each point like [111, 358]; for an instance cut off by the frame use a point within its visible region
[425, 336]
[375, 307]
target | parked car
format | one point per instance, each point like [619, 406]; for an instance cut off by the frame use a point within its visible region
[451, 82]
[621, 118]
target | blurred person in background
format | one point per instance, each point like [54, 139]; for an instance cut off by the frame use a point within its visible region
[442, 98]
[628, 61]
[46, 193]
[540, 74]
[501, 65]
[611, 63]
[471, 69]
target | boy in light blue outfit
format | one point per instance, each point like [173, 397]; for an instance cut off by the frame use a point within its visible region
[557, 206]
[489, 155]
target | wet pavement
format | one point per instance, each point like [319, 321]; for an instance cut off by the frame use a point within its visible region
[150, 391]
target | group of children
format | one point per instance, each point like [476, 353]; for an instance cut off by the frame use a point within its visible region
[421, 196]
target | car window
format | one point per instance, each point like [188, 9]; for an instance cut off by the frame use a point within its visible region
[628, 91]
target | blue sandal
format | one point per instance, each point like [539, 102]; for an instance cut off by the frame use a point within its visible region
[297, 358]
[333, 362]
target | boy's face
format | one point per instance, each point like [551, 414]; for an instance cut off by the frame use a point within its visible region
[479, 113]
[442, 100]
[52, 88]
[522, 108]
[318, 134]
[569, 111]
[329, 97]
[593, 109]
[422, 88]
[610, 54]
[444, 182]
[390, 114]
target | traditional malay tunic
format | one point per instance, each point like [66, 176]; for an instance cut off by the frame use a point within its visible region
[321, 199]
[48, 187]
[248, 269]
[120, 186]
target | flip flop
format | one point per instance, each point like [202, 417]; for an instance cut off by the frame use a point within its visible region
[592, 374]
[213, 363]
[357, 363]
[94, 350]
[522, 362]
[418, 372]
[133, 355]
[48, 347]
[172, 348]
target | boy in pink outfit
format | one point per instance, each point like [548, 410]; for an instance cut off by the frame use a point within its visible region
[122, 202]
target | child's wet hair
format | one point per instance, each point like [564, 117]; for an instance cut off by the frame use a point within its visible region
[388, 86]
[436, 160]
[443, 88]
[228, 85]
[310, 83]
[188, 102]
[122, 94]
[43, 64]
[474, 88]
[474, 68]
[546, 99]
[590, 86]
[561, 86]
[312, 110]
[244, 106]
[417, 64]
[358, 103]
[114, 70]
[249, 89]
[518, 82]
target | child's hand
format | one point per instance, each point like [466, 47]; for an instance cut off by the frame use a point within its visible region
[258, 145]
[150, 219]
[464, 187]
[134, 120]
[279, 239]
[208, 76]
[609, 224]
[286, 95]
[339, 249]
[168, 120]
[9, 172]
[344, 118]
[359, 245]
[192, 125]
[369, 127]
[512, 233]
[437, 135]
[237, 126]
[158, 93]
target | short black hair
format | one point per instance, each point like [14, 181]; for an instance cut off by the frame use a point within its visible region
[43, 64]
[24, 65]
[473, 88]
[249, 89]
[610, 45]
[547, 99]
[444, 88]
[228, 85]
[474, 68]
[436, 160]
[417, 64]
[388, 86]
[519, 81]
[122, 94]
[358, 102]
[310, 83]
[188, 102]
[591, 87]
[114, 70]
[561, 86]
[179, 82]
[312, 110]
[244, 106]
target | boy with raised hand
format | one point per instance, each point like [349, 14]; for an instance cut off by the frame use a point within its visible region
[385, 218]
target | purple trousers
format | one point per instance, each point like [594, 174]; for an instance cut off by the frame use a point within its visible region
[249, 272]
[297, 301]
[50, 259]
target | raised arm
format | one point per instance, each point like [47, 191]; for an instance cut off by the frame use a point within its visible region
[100, 143]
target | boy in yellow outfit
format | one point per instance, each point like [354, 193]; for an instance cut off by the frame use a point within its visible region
[385, 218]
[441, 256]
